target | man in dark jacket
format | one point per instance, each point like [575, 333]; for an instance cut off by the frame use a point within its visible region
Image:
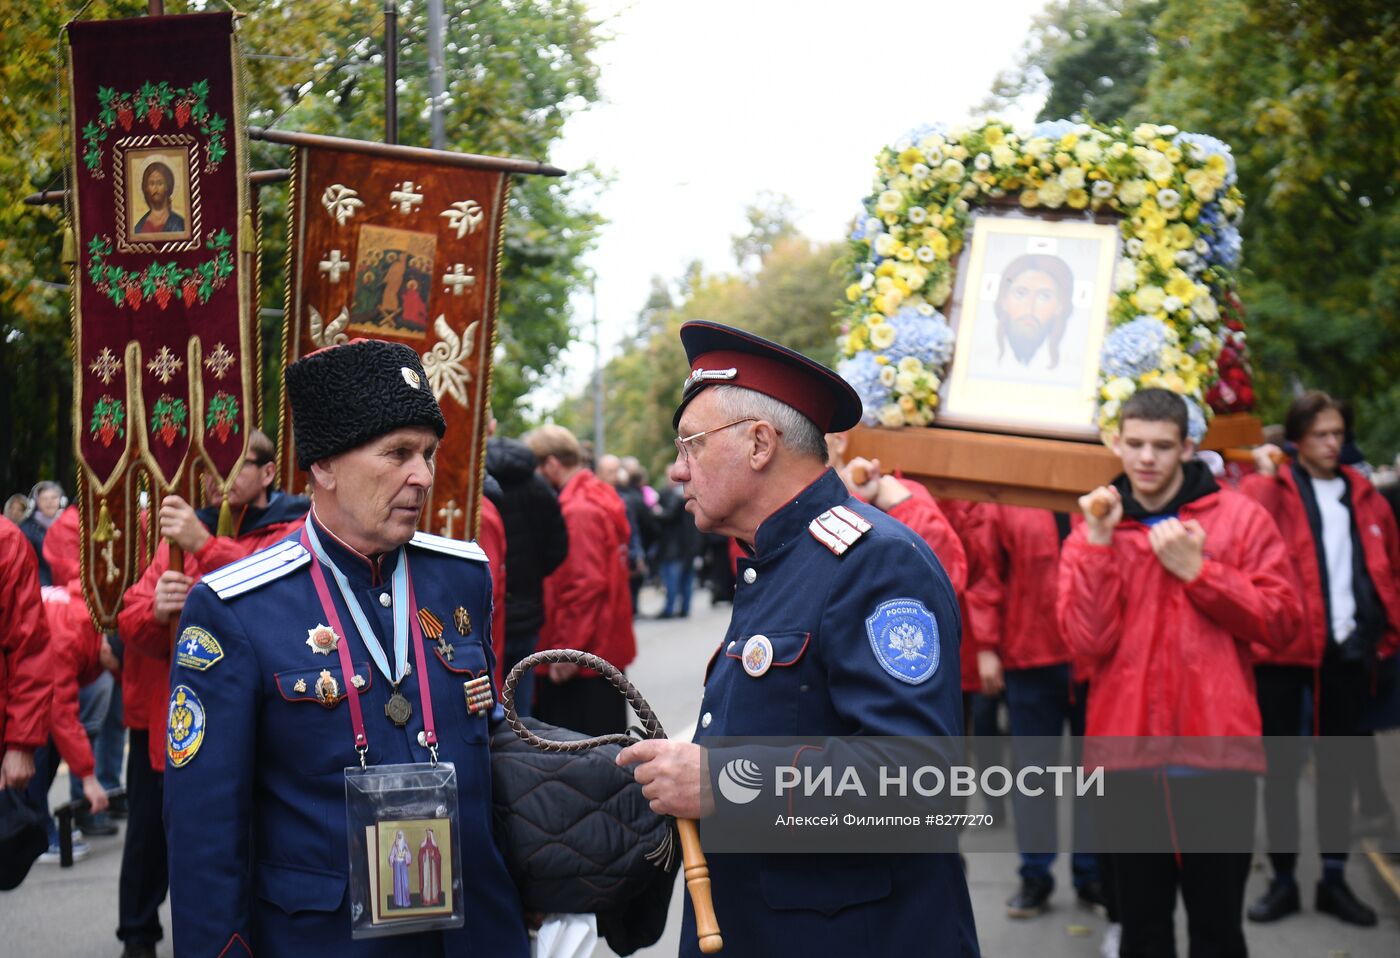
[536, 541]
[677, 545]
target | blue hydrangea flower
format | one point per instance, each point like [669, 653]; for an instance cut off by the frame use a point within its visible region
[1195, 420]
[1211, 147]
[1222, 236]
[929, 339]
[866, 227]
[1052, 129]
[912, 137]
[1135, 348]
[863, 373]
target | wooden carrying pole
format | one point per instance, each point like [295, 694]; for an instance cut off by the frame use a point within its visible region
[697, 882]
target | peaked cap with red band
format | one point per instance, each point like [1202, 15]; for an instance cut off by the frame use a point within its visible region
[724, 356]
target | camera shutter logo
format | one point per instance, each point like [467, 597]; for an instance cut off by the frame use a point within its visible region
[740, 781]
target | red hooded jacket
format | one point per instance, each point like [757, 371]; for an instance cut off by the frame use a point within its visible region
[72, 661]
[146, 664]
[921, 513]
[588, 603]
[1278, 494]
[492, 539]
[24, 635]
[967, 519]
[1170, 658]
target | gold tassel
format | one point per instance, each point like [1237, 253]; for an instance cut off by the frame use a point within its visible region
[225, 527]
[248, 240]
[105, 530]
[69, 256]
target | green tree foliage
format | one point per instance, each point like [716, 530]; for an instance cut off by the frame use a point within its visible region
[515, 71]
[1306, 93]
[788, 300]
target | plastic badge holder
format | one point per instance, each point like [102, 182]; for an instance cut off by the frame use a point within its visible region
[405, 849]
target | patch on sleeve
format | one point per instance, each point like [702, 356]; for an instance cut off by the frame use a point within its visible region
[184, 727]
[197, 649]
[904, 635]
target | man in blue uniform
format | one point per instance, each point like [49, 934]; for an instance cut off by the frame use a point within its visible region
[808, 653]
[262, 725]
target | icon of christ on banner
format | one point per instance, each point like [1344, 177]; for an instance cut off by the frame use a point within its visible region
[393, 282]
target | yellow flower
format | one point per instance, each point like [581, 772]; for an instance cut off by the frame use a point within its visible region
[1072, 178]
[1030, 199]
[890, 201]
[1087, 151]
[882, 336]
[906, 403]
[1149, 298]
[904, 382]
[1180, 236]
[994, 135]
[1181, 287]
[1077, 199]
[951, 170]
[855, 342]
[891, 415]
[905, 254]
[853, 292]
[1052, 194]
[1132, 192]
[909, 157]
[1003, 155]
[1063, 159]
[910, 364]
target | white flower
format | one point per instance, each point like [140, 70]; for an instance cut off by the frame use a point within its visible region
[1132, 192]
[1003, 155]
[925, 309]
[1124, 276]
[1144, 133]
[1133, 246]
[1072, 178]
[1103, 189]
[924, 254]
[1088, 151]
[904, 383]
[1167, 130]
[882, 336]
[1171, 304]
[910, 364]
[890, 201]
[867, 280]
[1157, 166]
[919, 172]
[1204, 308]
[952, 170]
[1168, 199]
[1118, 150]
[1201, 247]
[917, 215]
[891, 415]
[982, 162]
[885, 245]
[887, 374]
[934, 154]
[1052, 194]
[1119, 388]
[1038, 147]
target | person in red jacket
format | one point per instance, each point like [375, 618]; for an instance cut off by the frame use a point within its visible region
[588, 601]
[1345, 550]
[25, 687]
[1163, 589]
[1015, 610]
[261, 516]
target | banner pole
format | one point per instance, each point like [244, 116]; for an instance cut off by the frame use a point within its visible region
[391, 71]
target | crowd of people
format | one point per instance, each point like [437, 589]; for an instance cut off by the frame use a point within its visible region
[1187, 598]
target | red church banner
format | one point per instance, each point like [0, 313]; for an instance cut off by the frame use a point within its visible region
[402, 245]
[164, 357]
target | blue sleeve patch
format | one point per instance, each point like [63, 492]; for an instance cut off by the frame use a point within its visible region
[197, 649]
[184, 726]
[904, 635]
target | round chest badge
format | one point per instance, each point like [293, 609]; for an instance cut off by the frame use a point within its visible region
[411, 377]
[758, 655]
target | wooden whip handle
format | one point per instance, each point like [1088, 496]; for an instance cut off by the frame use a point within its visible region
[697, 881]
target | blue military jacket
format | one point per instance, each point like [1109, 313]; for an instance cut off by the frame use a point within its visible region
[829, 574]
[255, 806]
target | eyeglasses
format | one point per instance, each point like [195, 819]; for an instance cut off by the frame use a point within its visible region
[683, 442]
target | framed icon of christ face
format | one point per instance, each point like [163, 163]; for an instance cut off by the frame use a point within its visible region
[1030, 312]
[158, 196]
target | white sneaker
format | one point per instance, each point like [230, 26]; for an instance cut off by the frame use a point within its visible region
[54, 857]
[1112, 937]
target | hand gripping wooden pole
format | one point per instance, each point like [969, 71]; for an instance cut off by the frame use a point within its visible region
[697, 870]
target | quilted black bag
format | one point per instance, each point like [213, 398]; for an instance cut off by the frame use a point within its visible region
[579, 837]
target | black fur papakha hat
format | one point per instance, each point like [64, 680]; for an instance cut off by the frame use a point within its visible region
[344, 396]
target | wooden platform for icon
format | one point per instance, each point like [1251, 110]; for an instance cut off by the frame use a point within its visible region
[1017, 470]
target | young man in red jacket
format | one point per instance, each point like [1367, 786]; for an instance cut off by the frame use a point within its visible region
[587, 600]
[25, 687]
[1014, 608]
[1342, 539]
[1163, 590]
[261, 516]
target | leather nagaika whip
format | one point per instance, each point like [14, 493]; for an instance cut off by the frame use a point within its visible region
[697, 871]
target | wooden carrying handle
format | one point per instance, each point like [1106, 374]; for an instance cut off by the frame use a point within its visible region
[1099, 508]
[177, 562]
[697, 882]
[860, 475]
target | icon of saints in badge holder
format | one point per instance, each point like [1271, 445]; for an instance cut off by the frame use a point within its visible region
[410, 868]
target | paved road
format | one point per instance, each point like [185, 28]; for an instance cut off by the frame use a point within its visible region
[71, 913]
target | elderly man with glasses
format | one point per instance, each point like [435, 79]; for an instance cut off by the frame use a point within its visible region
[828, 593]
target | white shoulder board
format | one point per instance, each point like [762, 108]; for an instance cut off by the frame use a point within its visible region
[452, 547]
[838, 529]
[258, 569]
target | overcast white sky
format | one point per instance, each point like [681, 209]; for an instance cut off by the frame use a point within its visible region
[707, 105]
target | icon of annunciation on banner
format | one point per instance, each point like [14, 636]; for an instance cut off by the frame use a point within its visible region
[392, 244]
[164, 370]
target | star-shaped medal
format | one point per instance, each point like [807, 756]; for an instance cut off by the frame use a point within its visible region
[322, 639]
